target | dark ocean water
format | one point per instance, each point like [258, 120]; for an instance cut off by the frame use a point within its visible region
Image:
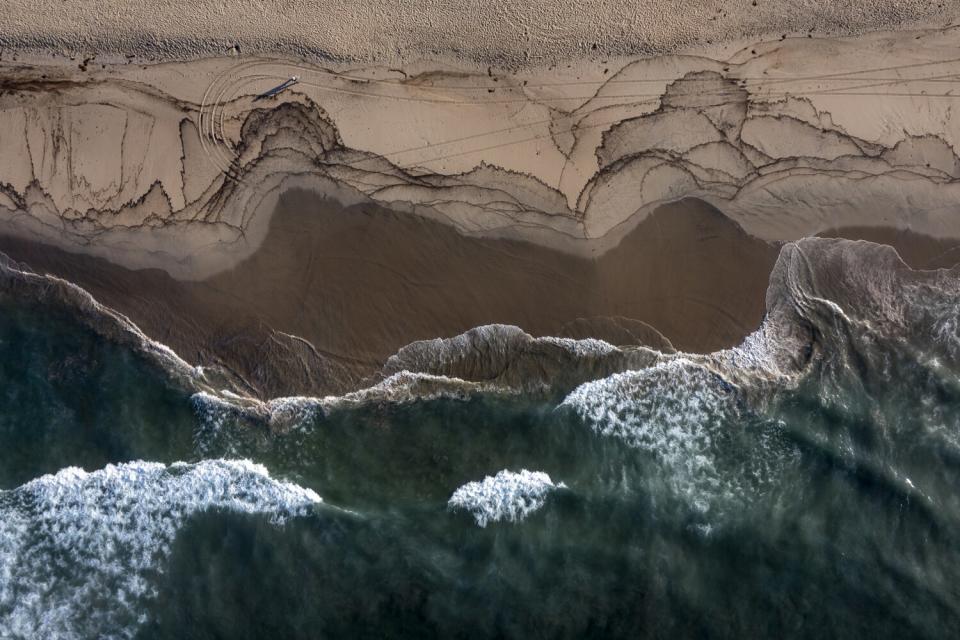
[658, 503]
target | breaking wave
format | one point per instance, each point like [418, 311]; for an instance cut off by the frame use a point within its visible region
[78, 549]
[827, 439]
[709, 450]
[506, 496]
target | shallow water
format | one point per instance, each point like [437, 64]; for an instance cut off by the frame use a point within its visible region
[656, 503]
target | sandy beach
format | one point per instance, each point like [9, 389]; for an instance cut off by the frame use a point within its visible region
[514, 33]
[444, 319]
[300, 240]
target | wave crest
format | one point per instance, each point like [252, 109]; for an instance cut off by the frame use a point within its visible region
[507, 496]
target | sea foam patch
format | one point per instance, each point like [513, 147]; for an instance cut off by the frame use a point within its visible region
[506, 496]
[78, 549]
[674, 410]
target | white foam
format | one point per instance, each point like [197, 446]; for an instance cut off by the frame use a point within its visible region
[212, 414]
[291, 412]
[505, 496]
[669, 410]
[936, 305]
[582, 348]
[410, 386]
[754, 355]
[77, 549]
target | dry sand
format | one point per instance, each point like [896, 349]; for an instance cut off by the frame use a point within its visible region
[176, 166]
[508, 32]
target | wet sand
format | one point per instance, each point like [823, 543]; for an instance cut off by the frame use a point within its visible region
[333, 291]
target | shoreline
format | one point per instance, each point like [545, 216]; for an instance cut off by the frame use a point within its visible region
[423, 318]
[333, 292]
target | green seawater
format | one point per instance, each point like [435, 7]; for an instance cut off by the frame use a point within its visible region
[829, 510]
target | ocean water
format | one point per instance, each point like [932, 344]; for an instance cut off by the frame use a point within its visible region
[667, 502]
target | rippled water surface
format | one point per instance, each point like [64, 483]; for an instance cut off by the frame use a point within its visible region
[654, 503]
